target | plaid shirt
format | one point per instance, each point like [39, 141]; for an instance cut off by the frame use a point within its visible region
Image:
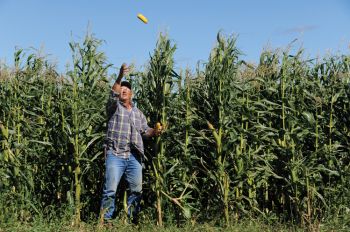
[125, 128]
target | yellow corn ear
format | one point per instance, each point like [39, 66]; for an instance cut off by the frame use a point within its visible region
[142, 18]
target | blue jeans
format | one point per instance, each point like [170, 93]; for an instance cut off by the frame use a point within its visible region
[115, 168]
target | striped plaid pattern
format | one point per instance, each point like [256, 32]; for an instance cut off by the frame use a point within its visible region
[125, 129]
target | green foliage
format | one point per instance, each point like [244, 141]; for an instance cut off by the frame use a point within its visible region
[242, 141]
[52, 130]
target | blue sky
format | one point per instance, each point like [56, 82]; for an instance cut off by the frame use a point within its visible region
[321, 27]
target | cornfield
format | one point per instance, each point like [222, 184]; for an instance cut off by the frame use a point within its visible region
[268, 141]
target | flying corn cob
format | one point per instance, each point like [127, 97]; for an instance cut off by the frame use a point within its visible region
[142, 18]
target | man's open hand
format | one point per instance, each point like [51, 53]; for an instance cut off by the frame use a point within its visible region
[124, 69]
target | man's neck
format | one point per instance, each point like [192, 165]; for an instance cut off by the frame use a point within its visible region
[127, 104]
[128, 107]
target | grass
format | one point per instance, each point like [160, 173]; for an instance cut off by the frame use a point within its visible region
[57, 225]
[66, 222]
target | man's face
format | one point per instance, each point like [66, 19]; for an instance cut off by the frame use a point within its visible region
[125, 94]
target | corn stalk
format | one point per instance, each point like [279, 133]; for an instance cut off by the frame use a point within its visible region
[155, 99]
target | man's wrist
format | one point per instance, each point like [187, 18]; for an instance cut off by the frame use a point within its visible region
[119, 79]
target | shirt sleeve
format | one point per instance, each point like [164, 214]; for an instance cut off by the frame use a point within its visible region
[144, 126]
[112, 103]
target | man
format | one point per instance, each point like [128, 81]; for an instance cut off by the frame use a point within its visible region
[124, 147]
